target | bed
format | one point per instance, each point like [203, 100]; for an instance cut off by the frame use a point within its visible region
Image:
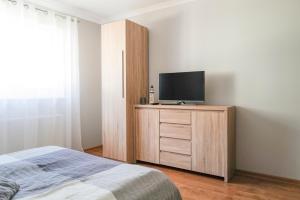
[54, 173]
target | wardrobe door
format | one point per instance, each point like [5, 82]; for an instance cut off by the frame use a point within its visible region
[209, 142]
[136, 76]
[113, 90]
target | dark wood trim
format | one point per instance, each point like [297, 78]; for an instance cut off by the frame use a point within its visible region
[266, 177]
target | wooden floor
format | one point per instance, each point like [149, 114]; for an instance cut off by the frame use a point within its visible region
[193, 186]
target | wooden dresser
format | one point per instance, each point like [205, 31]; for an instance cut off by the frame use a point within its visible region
[199, 138]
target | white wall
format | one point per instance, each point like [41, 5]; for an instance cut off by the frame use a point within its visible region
[89, 62]
[250, 50]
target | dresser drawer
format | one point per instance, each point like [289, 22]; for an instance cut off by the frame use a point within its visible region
[175, 145]
[176, 160]
[176, 131]
[175, 116]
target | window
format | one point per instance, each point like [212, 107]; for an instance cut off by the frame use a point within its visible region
[33, 51]
[39, 78]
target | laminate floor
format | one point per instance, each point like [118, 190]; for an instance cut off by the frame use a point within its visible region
[193, 186]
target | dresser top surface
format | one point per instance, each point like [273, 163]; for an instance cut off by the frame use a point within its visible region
[187, 107]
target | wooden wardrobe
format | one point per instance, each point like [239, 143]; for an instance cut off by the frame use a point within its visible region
[124, 72]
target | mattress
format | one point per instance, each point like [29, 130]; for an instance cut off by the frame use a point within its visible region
[57, 173]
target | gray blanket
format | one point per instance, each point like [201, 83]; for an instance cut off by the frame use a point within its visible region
[58, 173]
[8, 188]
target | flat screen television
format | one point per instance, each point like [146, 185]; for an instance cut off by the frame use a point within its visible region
[183, 87]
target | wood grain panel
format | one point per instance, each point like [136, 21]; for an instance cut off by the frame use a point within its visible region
[136, 75]
[175, 116]
[175, 145]
[175, 160]
[176, 131]
[209, 138]
[113, 103]
[147, 135]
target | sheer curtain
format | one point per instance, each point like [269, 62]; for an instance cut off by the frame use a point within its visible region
[39, 78]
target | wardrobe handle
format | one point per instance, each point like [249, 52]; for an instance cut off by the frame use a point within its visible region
[122, 73]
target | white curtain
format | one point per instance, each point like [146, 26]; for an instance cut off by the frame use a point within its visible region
[39, 78]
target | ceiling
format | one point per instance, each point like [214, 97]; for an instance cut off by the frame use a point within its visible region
[101, 11]
[109, 8]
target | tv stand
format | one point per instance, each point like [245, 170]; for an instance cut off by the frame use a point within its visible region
[198, 138]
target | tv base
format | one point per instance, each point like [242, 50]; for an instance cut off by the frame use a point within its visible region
[180, 103]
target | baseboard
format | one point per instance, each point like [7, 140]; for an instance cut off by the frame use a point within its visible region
[100, 146]
[267, 177]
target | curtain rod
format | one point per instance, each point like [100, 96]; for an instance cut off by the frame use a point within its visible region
[45, 10]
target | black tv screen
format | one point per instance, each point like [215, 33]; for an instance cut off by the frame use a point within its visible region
[183, 86]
